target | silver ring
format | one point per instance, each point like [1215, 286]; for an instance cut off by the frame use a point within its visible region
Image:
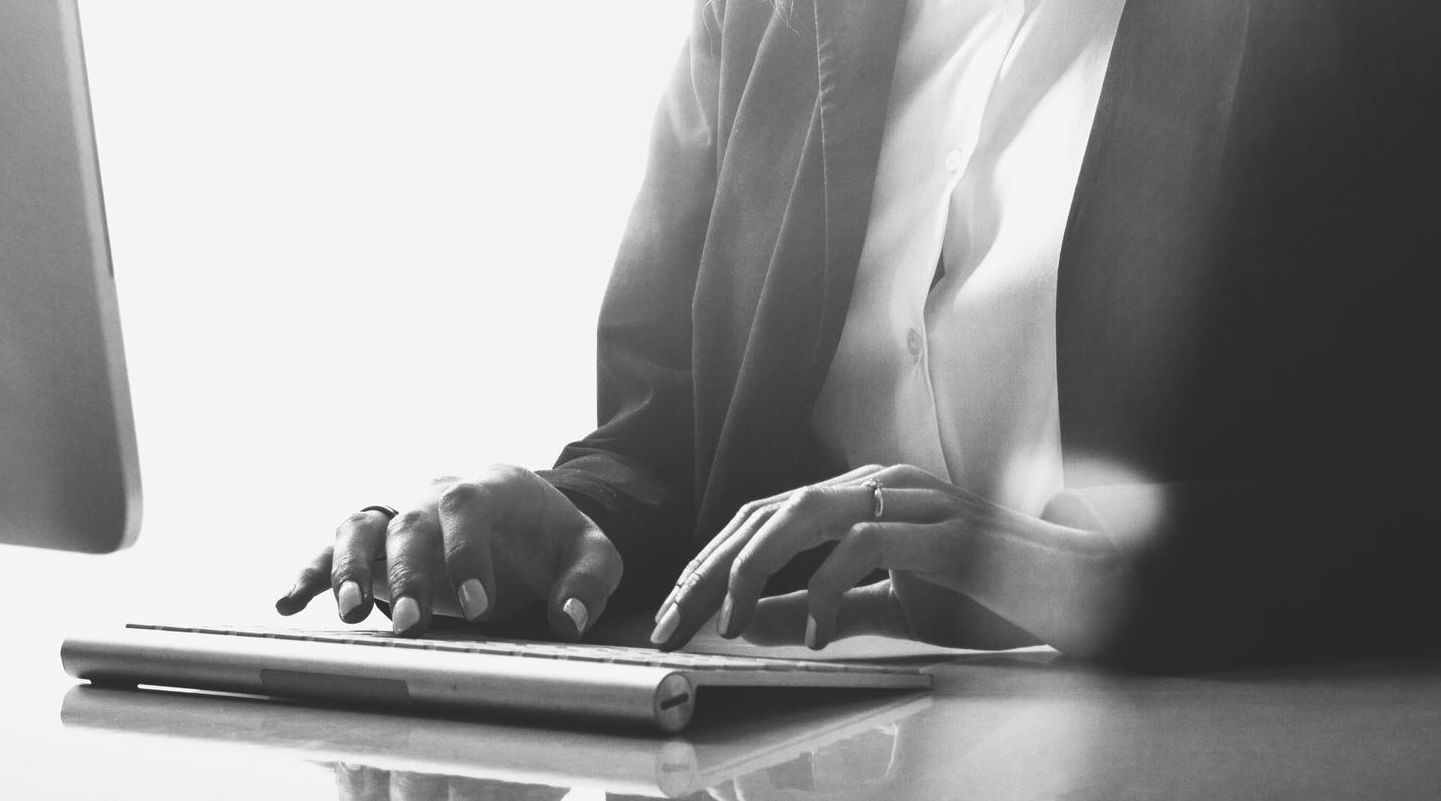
[879, 506]
[389, 512]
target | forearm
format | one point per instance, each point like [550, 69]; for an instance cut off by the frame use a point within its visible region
[1065, 584]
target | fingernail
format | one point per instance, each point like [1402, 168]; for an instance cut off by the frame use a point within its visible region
[724, 627]
[577, 613]
[811, 633]
[405, 615]
[348, 599]
[665, 606]
[666, 627]
[473, 600]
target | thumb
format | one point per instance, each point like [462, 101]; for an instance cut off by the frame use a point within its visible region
[871, 609]
[589, 572]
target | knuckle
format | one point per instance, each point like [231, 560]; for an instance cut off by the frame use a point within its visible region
[460, 549]
[501, 472]
[406, 520]
[348, 569]
[864, 540]
[824, 584]
[406, 580]
[461, 497]
[891, 473]
[913, 475]
[804, 499]
[742, 571]
[352, 520]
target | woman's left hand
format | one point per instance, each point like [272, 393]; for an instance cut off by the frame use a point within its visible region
[898, 518]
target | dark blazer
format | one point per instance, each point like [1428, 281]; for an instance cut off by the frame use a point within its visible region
[1247, 325]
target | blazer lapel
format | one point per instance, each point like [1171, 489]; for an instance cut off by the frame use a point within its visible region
[1136, 249]
[856, 46]
[761, 436]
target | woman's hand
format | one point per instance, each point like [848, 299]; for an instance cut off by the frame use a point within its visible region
[482, 549]
[945, 548]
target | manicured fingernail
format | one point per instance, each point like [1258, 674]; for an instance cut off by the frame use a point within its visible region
[666, 627]
[665, 606]
[578, 614]
[811, 633]
[405, 615]
[724, 626]
[348, 599]
[473, 600]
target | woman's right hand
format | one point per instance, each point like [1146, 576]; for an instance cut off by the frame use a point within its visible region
[482, 548]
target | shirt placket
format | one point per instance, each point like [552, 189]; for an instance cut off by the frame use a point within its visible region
[968, 120]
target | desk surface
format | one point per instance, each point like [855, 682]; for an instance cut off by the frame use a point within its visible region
[1003, 726]
[997, 727]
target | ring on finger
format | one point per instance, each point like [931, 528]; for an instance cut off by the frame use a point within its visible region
[878, 498]
[389, 511]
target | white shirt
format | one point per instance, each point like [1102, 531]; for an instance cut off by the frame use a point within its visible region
[990, 111]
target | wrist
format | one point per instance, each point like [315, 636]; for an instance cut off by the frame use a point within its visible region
[1063, 583]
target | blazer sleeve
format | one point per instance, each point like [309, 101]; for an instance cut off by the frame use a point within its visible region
[1247, 571]
[634, 474]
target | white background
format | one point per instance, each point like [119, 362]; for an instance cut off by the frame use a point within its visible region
[357, 244]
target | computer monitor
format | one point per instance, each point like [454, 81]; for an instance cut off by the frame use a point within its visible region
[69, 477]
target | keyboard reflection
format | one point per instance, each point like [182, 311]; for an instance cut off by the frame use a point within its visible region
[819, 744]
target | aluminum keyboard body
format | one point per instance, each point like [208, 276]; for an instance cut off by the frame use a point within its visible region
[566, 681]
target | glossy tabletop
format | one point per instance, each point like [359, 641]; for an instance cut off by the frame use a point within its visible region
[1024, 725]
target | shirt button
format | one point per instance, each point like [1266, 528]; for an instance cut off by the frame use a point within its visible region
[953, 160]
[913, 342]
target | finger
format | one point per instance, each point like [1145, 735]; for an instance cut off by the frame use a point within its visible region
[872, 609]
[357, 543]
[467, 528]
[361, 783]
[809, 520]
[700, 591]
[704, 589]
[905, 476]
[313, 580]
[412, 545]
[590, 572]
[858, 474]
[867, 547]
[411, 786]
[466, 788]
[750, 509]
[746, 512]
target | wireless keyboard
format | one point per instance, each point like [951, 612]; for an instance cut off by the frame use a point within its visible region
[508, 677]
